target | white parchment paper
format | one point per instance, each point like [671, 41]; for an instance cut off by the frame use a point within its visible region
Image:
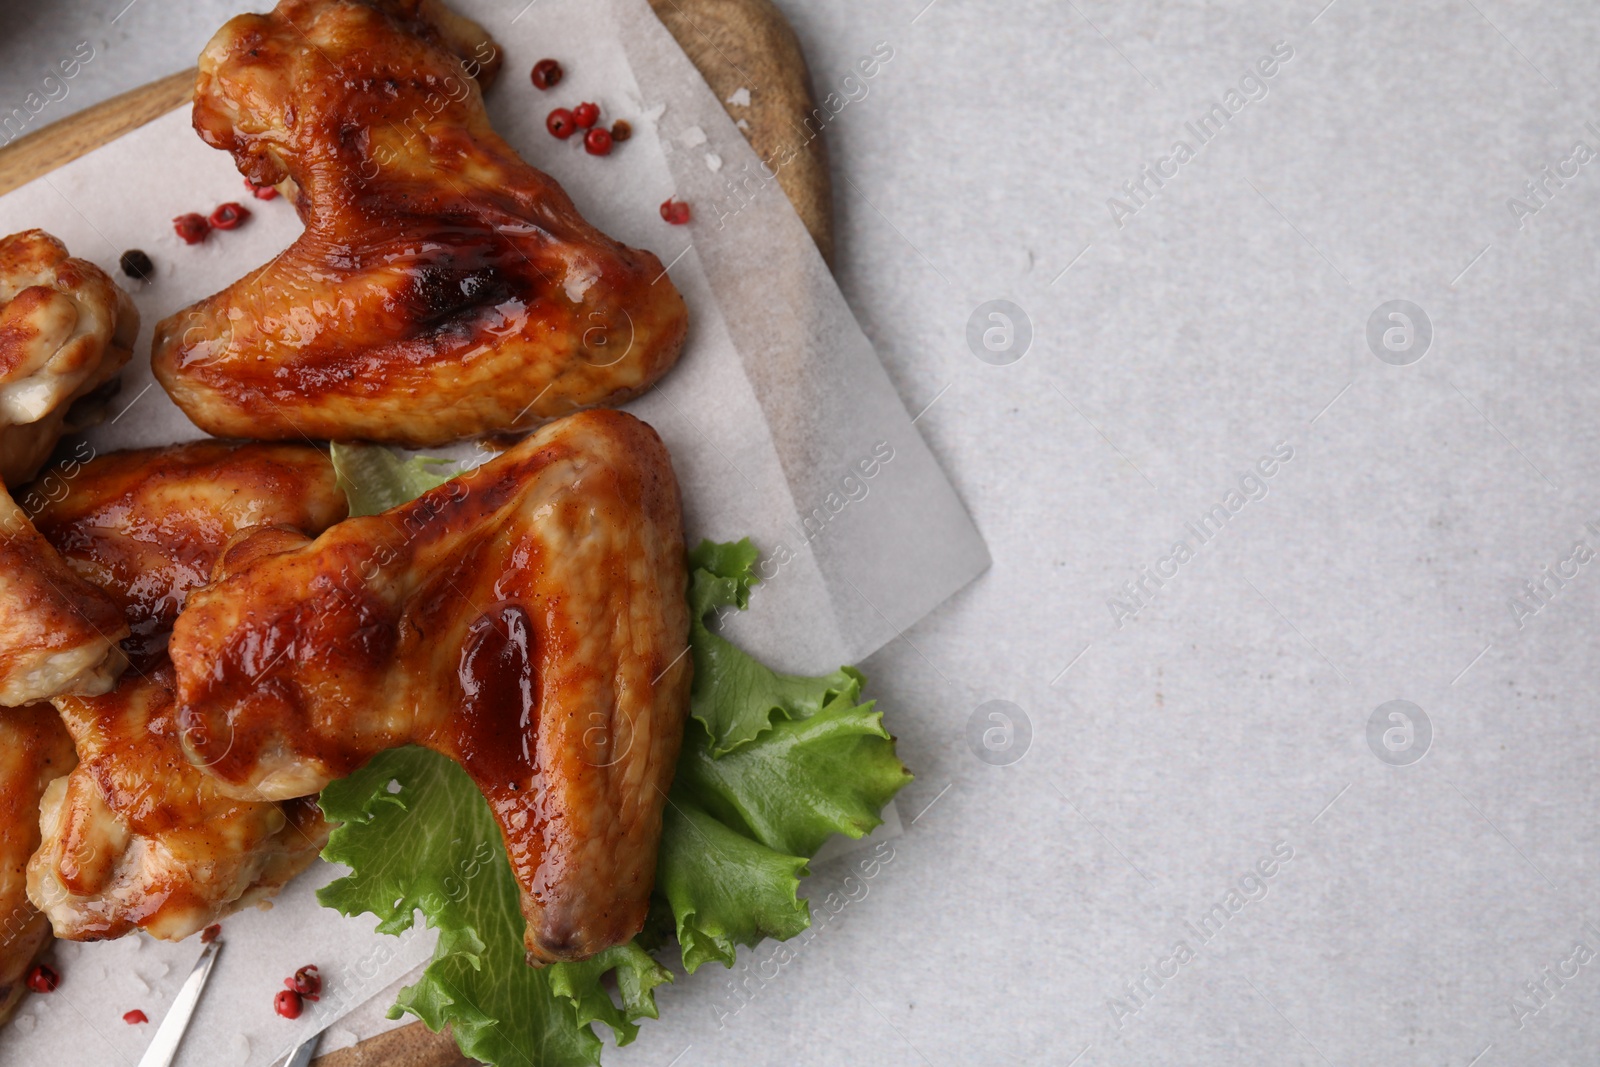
[774, 413]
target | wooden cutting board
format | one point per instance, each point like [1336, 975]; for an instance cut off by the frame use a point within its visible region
[733, 43]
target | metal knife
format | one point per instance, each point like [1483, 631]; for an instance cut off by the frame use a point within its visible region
[301, 1057]
[164, 1046]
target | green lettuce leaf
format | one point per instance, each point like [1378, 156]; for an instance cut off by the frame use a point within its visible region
[772, 765]
[735, 696]
[827, 773]
[375, 479]
[739, 829]
[419, 837]
[724, 889]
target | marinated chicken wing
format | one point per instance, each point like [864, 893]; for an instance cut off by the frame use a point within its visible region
[66, 330]
[528, 620]
[58, 633]
[34, 749]
[442, 288]
[147, 525]
[137, 837]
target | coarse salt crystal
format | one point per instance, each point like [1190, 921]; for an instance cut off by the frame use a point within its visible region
[692, 137]
[740, 97]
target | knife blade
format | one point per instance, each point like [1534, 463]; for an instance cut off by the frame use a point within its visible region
[164, 1046]
[301, 1057]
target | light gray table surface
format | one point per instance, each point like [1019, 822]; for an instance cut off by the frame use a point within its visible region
[1170, 744]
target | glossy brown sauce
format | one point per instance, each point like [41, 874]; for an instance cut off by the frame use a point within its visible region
[153, 572]
[492, 733]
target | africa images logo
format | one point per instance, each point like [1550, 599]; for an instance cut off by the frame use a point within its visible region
[1399, 733]
[999, 333]
[1399, 333]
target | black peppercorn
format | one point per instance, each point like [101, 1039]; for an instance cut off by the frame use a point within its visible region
[135, 264]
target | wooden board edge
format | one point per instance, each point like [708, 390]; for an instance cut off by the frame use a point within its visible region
[749, 45]
[735, 44]
[78, 134]
[413, 1045]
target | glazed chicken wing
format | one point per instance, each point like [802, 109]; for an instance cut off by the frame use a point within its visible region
[34, 749]
[58, 633]
[527, 620]
[66, 330]
[443, 288]
[147, 525]
[136, 836]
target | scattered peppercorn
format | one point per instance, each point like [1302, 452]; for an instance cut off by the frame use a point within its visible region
[192, 227]
[135, 264]
[621, 131]
[209, 934]
[43, 979]
[261, 192]
[306, 981]
[675, 211]
[597, 142]
[135, 1017]
[287, 1004]
[561, 124]
[586, 114]
[228, 216]
[547, 74]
